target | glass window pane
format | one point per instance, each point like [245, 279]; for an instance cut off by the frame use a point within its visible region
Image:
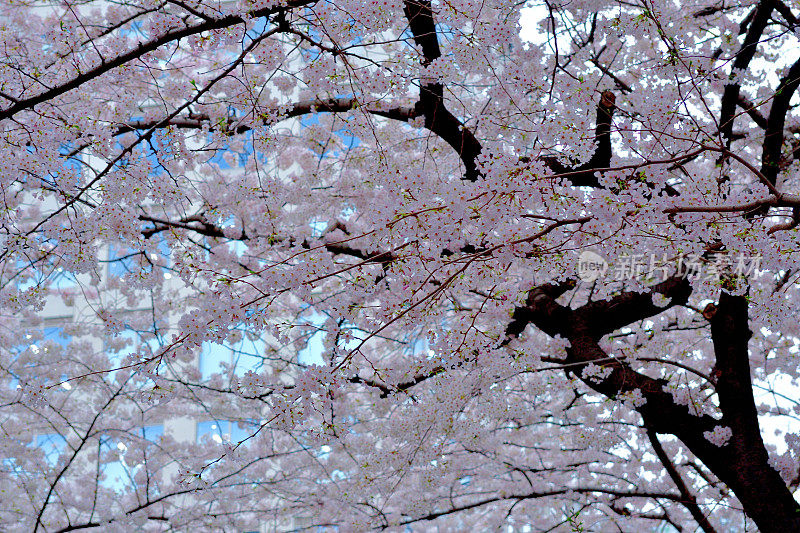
[56, 335]
[116, 476]
[248, 355]
[119, 261]
[212, 356]
[242, 430]
[213, 429]
[153, 433]
[52, 445]
[62, 280]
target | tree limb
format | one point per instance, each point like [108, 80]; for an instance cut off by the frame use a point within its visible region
[745, 54]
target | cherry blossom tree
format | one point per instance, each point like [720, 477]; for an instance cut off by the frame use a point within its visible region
[272, 265]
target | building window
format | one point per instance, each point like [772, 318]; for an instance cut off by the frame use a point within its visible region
[55, 278]
[31, 360]
[124, 260]
[118, 470]
[235, 357]
[125, 343]
[220, 431]
[52, 446]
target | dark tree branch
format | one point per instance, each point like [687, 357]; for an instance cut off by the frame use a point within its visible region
[730, 96]
[742, 463]
[758, 486]
[745, 23]
[786, 13]
[438, 118]
[332, 105]
[584, 175]
[689, 500]
[543, 494]
[605, 112]
[403, 386]
[23, 103]
[443, 123]
[621, 85]
[198, 224]
[430, 106]
[540, 299]
[605, 316]
[773, 138]
[420, 21]
[751, 109]
[660, 411]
